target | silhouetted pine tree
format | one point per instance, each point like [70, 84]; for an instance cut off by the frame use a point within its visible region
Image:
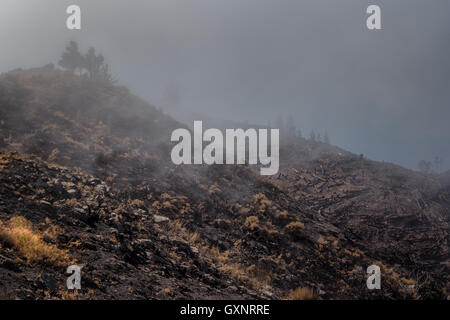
[326, 138]
[71, 59]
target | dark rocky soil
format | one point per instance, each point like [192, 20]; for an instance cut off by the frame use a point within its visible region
[90, 162]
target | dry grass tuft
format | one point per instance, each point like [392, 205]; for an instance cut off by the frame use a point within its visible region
[260, 275]
[302, 294]
[261, 203]
[295, 227]
[3, 162]
[234, 270]
[251, 223]
[19, 234]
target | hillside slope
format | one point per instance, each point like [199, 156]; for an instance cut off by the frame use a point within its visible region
[85, 169]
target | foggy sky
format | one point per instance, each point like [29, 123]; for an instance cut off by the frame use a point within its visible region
[381, 93]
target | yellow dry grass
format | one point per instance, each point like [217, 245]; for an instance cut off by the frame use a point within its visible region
[3, 162]
[302, 294]
[295, 226]
[19, 234]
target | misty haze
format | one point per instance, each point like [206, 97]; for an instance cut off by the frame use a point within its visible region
[97, 200]
[383, 94]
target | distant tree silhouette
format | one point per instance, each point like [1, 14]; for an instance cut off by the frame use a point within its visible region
[312, 136]
[279, 123]
[105, 75]
[430, 166]
[93, 63]
[71, 59]
[290, 130]
[326, 138]
[437, 162]
[425, 166]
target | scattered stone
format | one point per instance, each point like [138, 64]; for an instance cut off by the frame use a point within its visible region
[160, 219]
[194, 250]
[79, 210]
[100, 188]
[140, 212]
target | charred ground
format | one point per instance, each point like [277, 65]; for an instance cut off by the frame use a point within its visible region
[85, 173]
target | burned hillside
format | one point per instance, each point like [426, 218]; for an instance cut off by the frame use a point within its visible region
[85, 171]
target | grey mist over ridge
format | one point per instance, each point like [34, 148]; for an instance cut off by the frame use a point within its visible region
[380, 93]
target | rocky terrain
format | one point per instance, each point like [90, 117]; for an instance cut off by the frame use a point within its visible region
[86, 178]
